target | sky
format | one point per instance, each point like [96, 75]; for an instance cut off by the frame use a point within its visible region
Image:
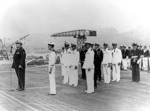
[21, 17]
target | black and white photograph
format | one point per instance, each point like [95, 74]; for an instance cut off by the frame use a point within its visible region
[74, 55]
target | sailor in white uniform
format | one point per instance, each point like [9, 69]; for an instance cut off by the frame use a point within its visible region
[116, 62]
[51, 68]
[74, 66]
[89, 67]
[106, 63]
[67, 64]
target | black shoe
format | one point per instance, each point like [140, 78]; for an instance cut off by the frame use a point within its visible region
[20, 89]
[51, 94]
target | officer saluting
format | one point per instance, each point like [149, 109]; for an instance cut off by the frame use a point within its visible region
[19, 65]
[51, 68]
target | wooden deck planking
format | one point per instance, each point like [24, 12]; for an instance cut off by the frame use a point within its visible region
[122, 96]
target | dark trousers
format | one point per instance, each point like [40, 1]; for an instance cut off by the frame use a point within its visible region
[83, 72]
[97, 74]
[21, 77]
[135, 72]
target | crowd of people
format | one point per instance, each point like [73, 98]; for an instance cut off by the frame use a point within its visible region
[98, 63]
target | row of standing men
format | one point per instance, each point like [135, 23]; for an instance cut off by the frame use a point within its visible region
[91, 61]
[127, 54]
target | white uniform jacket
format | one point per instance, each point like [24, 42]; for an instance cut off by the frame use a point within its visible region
[52, 59]
[116, 56]
[107, 56]
[75, 58]
[89, 59]
[67, 58]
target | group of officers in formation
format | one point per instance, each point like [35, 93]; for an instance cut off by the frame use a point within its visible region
[97, 64]
[100, 63]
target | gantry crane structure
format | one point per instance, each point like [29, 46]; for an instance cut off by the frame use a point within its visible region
[80, 35]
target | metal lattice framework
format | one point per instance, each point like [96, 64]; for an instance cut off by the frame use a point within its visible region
[79, 34]
[5, 49]
[22, 38]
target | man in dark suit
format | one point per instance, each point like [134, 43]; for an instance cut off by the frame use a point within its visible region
[19, 65]
[82, 59]
[140, 49]
[98, 58]
[135, 56]
[124, 58]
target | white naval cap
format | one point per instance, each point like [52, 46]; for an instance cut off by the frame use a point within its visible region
[88, 42]
[51, 44]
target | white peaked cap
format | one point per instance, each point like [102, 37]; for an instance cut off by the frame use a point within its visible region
[88, 42]
[51, 43]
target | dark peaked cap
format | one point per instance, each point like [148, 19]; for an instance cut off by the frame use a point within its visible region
[18, 43]
[73, 45]
[105, 44]
[134, 44]
[114, 44]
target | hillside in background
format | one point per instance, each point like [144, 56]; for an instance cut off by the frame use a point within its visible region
[39, 41]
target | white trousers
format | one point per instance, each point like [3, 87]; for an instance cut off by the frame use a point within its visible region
[106, 72]
[116, 72]
[62, 70]
[52, 82]
[145, 63]
[67, 74]
[90, 80]
[129, 62]
[73, 76]
[124, 64]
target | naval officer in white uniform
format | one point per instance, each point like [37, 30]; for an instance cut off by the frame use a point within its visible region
[67, 64]
[74, 66]
[89, 67]
[116, 62]
[51, 68]
[106, 63]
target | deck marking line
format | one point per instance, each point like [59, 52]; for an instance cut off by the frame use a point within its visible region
[30, 107]
[145, 83]
[68, 105]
